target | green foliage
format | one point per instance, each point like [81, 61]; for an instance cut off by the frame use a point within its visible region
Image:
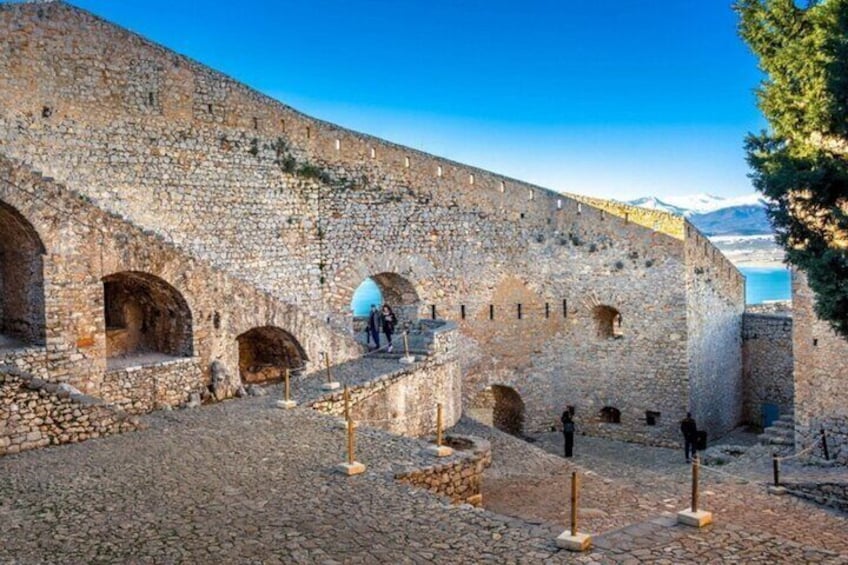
[800, 163]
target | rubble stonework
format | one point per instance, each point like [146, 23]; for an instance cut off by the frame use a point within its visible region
[821, 376]
[35, 413]
[767, 373]
[257, 215]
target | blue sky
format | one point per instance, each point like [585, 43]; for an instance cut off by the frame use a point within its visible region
[614, 98]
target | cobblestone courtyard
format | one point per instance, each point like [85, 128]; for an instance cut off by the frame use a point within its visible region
[244, 482]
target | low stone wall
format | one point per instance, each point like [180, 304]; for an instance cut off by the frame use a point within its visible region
[460, 480]
[142, 389]
[767, 365]
[834, 495]
[32, 360]
[404, 401]
[35, 413]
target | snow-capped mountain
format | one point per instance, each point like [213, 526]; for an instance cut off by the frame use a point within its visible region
[694, 204]
[714, 215]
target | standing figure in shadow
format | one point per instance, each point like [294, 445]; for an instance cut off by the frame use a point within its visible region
[568, 432]
[375, 324]
[389, 323]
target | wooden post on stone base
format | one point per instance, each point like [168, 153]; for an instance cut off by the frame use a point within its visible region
[330, 384]
[439, 450]
[351, 466]
[407, 358]
[692, 516]
[571, 539]
[286, 402]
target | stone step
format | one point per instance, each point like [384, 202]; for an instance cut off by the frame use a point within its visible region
[787, 418]
[768, 439]
[783, 425]
[779, 432]
[398, 354]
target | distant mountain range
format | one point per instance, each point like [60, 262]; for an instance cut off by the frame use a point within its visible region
[714, 215]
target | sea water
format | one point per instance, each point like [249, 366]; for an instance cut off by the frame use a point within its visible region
[765, 284]
[366, 294]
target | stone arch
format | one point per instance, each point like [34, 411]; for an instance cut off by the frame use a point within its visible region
[399, 293]
[265, 352]
[145, 316]
[608, 321]
[22, 315]
[410, 268]
[500, 406]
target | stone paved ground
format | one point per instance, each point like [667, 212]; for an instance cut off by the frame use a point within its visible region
[751, 525]
[244, 482]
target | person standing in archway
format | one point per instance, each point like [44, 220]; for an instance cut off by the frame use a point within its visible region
[689, 429]
[568, 428]
[389, 322]
[375, 323]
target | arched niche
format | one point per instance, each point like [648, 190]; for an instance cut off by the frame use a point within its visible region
[22, 317]
[147, 319]
[266, 352]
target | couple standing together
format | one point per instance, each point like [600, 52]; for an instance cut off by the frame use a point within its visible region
[378, 320]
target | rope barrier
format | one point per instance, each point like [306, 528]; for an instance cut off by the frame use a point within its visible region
[800, 453]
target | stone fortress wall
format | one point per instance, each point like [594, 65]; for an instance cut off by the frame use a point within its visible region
[565, 300]
[768, 366]
[821, 376]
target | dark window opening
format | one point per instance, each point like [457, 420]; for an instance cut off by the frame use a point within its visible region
[462, 311]
[519, 311]
[491, 311]
[651, 417]
[610, 415]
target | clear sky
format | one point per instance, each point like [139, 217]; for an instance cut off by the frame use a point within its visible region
[614, 98]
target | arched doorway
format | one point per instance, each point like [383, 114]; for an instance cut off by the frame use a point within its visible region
[501, 407]
[265, 353]
[22, 319]
[385, 288]
[147, 320]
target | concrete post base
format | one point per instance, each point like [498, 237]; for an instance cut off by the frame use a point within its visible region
[407, 360]
[772, 489]
[286, 404]
[331, 386]
[342, 424]
[697, 519]
[349, 469]
[439, 450]
[576, 542]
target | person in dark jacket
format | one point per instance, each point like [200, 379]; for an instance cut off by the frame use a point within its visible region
[375, 324]
[689, 430]
[568, 432]
[389, 322]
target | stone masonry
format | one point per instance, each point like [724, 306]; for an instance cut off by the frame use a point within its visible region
[123, 163]
[768, 365]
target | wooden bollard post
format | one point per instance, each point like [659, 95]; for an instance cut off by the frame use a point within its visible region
[775, 471]
[407, 358]
[330, 384]
[351, 466]
[346, 404]
[696, 467]
[350, 440]
[286, 402]
[692, 516]
[440, 450]
[574, 503]
[571, 539]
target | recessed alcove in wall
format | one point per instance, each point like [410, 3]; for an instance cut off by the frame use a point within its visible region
[22, 320]
[610, 415]
[266, 352]
[607, 321]
[500, 406]
[147, 320]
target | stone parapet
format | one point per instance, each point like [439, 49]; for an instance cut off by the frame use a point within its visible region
[35, 413]
[457, 480]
